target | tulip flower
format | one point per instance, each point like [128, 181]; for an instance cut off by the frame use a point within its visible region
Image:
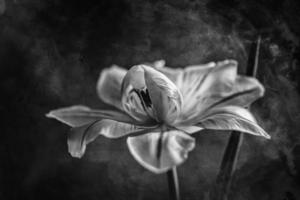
[159, 108]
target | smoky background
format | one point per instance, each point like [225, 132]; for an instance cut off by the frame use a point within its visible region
[51, 55]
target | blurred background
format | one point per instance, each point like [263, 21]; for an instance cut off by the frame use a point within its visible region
[51, 55]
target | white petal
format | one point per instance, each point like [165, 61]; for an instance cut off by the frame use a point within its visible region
[135, 97]
[244, 92]
[189, 129]
[79, 137]
[220, 78]
[159, 64]
[201, 84]
[164, 94]
[232, 118]
[159, 152]
[79, 115]
[148, 94]
[174, 74]
[109, 85]
[221, 86]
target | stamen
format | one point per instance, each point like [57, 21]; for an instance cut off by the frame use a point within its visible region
[142, 101]
[146, 97]
[138, 93]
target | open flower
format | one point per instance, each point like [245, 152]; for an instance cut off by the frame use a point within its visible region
[159, 108]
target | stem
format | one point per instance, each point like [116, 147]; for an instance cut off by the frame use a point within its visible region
[221, 189]
[173, 184]
[229, 161]
[253, 58]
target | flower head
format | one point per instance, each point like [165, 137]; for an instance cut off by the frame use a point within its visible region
[158, 108]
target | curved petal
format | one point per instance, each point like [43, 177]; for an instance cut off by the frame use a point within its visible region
[148, 94]
[164, 94]
[214, 79]
[187, 79]
[135, 97]
[174, 74]
[79, 115]
[244, 92]
[219, 83]
[221, 86]
[109, 85]
[232, 118]
[189, 129]
[79, 137]
[159, 152]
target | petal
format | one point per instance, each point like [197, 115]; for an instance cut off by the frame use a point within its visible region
[79, 115]
[232, 118]
[135, 96]
[159, 152]
[148, 94]
[221, 87]
[79, 137]
[109, 85]
[220, 78]
[206, 83]
[244, 92]
[189, 129]
[174, 74]
[164, 94]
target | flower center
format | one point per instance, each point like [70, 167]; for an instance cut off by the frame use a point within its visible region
[144, 100]
[144, 93]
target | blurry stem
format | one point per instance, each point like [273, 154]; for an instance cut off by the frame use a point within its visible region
[252, 64]
[228, 165]
[173, 184]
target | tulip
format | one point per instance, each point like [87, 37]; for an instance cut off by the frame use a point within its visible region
[159, 109]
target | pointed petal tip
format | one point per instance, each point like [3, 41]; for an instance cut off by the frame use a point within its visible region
[267, 136]
[159, 63]
[49, 115]
[211, 64]
[76, 154]
[52, 115]
[233, 118]
[264, 135]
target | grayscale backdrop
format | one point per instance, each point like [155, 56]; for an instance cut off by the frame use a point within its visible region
[51, 55]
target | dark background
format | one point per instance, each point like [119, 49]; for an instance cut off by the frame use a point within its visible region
[51, 54]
